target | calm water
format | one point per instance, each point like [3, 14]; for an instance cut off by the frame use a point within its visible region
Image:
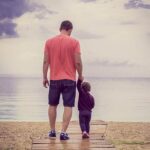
[24, 99]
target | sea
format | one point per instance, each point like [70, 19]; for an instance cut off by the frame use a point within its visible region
[116, 99]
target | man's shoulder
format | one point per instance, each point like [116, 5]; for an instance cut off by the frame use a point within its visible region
[74, 39]
[52, 38]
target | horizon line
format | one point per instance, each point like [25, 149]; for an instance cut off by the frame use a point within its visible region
[38, 76]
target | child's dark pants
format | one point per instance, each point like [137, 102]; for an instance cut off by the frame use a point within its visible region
[84, 120]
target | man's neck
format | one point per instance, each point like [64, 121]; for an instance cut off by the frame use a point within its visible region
[64, 32]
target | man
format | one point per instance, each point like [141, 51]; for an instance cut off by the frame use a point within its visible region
[62, 55]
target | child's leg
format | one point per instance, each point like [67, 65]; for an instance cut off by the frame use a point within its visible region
[87, 122]
[82, 121]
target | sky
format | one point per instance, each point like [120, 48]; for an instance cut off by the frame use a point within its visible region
[114, 35]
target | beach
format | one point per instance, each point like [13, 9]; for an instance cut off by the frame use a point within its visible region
[124, 135]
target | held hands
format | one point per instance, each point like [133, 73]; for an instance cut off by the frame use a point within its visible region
[45, 83]
[81, 78]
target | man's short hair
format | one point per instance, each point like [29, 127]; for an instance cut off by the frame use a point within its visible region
[66, 25]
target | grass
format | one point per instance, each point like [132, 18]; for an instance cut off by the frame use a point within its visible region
[118, 142]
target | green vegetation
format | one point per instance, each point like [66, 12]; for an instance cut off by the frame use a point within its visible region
[119, 142]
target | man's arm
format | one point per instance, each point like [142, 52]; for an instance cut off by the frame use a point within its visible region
[45, 69]
[78, 64]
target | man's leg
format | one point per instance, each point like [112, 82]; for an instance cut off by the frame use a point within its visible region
[66, 118]
[52, 116]
[68, 94]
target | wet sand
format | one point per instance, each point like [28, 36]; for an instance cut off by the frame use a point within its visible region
[124, 135]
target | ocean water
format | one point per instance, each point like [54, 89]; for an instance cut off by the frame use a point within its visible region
[116, 99]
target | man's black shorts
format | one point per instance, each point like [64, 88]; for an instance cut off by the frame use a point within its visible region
[65, 87]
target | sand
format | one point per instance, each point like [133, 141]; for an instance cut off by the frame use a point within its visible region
[124, 135]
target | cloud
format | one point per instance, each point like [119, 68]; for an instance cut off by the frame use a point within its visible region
[87, 1]
[81, 34]
[42, 14]
[136, 4]
[128, 23]
[39, 7]
[7, 29]
[107, 63]
[148, 34]
[11, 9]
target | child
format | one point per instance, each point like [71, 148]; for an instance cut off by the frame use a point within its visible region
[85, 105]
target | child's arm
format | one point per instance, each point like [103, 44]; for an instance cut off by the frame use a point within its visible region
[93, 102]
[79, 85]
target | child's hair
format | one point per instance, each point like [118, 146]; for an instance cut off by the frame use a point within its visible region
[86, 86]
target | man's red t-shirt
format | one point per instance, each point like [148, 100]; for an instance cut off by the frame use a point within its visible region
[61, 50]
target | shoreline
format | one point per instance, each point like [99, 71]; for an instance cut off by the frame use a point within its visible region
[124, 135]
[46, 121]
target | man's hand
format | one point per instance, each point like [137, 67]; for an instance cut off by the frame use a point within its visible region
[81, 78]
[45, 83]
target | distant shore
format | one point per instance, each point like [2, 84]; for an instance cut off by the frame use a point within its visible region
[124, 135]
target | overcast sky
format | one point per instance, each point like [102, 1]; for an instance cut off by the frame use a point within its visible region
[114, 35]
